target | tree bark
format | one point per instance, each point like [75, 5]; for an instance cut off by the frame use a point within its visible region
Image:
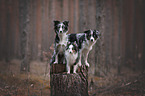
[24, 31]
[63, 84]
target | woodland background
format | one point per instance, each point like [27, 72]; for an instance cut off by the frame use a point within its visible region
[27, 36]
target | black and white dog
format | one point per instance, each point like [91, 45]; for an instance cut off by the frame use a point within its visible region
[86, 42]
[79, 45]
[72, 56]
[61, 29]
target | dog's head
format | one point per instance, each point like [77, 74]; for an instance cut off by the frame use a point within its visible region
[72, 47]
[61, 27]
[92, 35]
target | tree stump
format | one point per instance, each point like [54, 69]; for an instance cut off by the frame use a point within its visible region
[63, 84]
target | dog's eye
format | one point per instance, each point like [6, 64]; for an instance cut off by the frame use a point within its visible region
[74, 51]
[62, 27]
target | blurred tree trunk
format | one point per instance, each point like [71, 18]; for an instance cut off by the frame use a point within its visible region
[24, 32]
[108, 47]
[143, 61]
[100, 66]
[63, 84]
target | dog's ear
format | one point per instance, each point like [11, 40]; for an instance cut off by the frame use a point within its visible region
[76, 46]
[56, 22]
[68, 43]
[65, 23]
[87, 31]
[75, 43]
[97, 32]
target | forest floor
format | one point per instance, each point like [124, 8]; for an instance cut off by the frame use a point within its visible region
[119, 86]
[36, 83]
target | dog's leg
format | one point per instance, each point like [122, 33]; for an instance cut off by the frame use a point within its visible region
[80, 58]
[56, 59]
[75, 68]
[80, 63]
[77, 60]
[56, 55]
[68, 68]
[86, 53]
[53, 58]
[76, 63]
[64, 60]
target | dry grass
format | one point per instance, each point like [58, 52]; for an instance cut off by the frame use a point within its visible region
[33, 83]
[37, 81]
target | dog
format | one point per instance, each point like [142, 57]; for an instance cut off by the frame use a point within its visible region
[72, 56]
[61, 29]
[86, 42]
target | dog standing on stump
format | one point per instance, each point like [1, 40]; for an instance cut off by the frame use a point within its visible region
[61, 29]
[72, 56]
[86, 42]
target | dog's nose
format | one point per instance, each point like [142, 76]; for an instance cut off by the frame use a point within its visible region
[60, 31]
[92, 40]
[70, 52]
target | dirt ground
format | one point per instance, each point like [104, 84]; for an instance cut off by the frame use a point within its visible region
[122, 85]
[36, 82]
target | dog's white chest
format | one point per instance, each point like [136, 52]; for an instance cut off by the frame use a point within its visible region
[71, 58]
[63, 40]
[88, 45]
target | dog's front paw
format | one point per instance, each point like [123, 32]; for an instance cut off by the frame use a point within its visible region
[52, 61]
[68, 72]
[87, 64]
[55, 62]
[74, 72]
[80, 64]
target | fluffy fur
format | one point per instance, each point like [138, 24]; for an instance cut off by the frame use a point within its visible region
[86, 43]
[61, 29]
[72, 56]
[82, 42]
